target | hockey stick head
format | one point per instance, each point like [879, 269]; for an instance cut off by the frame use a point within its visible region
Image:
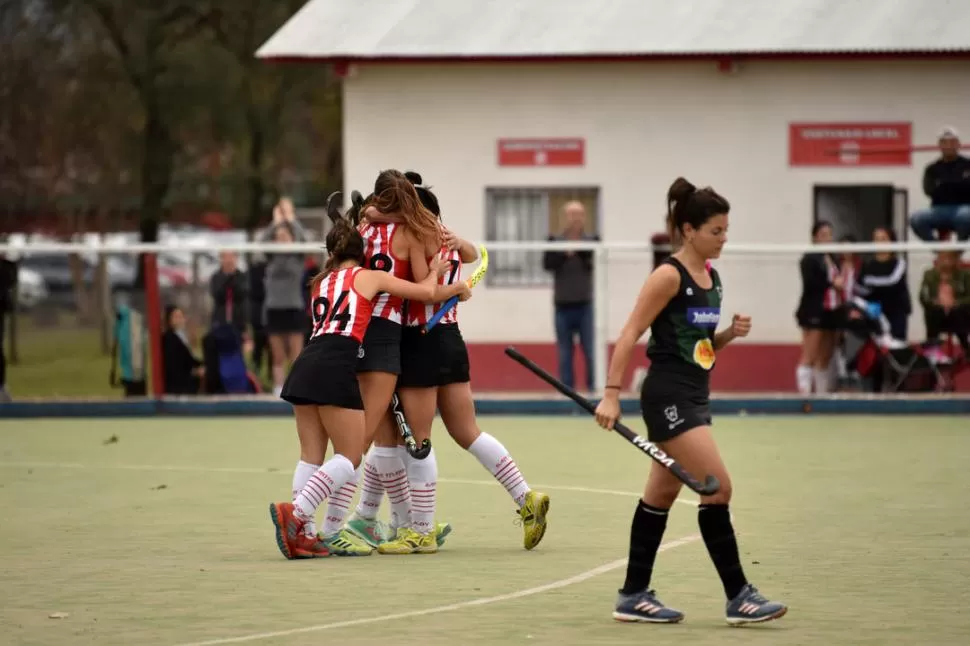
[479, 272]
[416, 452]
[334, 203]
[356, 206]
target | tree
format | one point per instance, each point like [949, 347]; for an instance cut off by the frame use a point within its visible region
[146, 38]
[275, 100]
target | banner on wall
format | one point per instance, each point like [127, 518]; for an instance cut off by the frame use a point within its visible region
[542, 152]
[850, 144]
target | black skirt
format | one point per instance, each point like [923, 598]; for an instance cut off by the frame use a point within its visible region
[438, 358]
[325, 374]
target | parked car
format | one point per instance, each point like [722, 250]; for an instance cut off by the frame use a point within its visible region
[31, 288]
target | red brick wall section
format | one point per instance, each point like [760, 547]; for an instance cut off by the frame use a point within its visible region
[740, 368]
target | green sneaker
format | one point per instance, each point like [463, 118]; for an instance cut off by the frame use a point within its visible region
[441, 533]
[344, 543]
[372, 532]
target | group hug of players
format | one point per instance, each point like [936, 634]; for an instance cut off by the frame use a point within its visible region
[391, 265]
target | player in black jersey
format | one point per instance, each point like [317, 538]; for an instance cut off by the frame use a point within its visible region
[681, 303]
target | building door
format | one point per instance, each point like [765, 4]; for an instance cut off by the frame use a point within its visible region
[856, 210]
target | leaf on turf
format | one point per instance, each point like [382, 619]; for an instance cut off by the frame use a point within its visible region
[111, 440]
[58, 615]
[160, 487]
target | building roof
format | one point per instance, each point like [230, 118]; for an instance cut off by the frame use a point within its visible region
[360, 30]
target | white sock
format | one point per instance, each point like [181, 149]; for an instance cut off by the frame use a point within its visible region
[339, 504]
[803, 378]
[371, 488]
[840, 370]
[328, 479]
[822, 381]
[423, 478]
[301, 474]
[500, 464]
[394, 477]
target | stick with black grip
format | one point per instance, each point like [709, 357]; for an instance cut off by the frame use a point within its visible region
[410, 444]
[710, 485]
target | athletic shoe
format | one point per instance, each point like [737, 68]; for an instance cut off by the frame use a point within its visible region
[409, 541]
[645, 607]
[749, 607]
[441, 533]
[290, 535]
[533, 515]
[346, 543]
[371, 531]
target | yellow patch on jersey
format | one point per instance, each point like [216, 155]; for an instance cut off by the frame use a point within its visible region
[704, 354]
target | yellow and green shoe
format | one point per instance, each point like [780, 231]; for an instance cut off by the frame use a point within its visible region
[533, 514]
[345, 543]
[409, 541]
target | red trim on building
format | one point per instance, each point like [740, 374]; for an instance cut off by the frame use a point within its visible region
[721, 59]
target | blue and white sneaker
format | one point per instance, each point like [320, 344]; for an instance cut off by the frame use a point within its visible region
[749, 607]
[645, 607]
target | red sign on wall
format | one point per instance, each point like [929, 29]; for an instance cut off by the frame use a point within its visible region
[541, 152]
[850, 144]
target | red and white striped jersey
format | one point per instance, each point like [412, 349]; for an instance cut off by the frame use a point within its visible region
[379, 255]
[420, 313]
[338, 308]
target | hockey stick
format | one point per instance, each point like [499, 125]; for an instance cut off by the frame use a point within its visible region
[410, 444]
[453, 301]
[710, 485]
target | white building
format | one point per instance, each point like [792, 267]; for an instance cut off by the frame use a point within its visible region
[650, 89]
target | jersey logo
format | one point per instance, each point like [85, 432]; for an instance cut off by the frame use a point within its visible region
[704, 354]
[360, 352]
[704, 316]
[690, 292]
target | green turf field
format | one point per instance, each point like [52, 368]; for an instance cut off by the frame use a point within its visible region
[163, 537]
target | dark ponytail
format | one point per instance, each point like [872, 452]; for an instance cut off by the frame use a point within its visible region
[344, 242]
[686, 204]
[428, 199]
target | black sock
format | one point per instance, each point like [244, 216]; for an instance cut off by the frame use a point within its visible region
[722, 545]
[646, 533]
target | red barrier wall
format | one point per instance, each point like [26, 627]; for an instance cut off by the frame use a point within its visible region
[740, 368]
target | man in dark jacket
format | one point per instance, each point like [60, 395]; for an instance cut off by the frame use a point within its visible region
[573, 294]
[229, 289]
[947, 183]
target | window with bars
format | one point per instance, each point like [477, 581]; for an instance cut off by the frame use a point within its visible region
[529, 215]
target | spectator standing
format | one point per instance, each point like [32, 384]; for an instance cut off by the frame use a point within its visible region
[229, 289]
[818, 314]
[947, 183]
[883, 281]
[573, 294]
[945, 296]
[285, 316]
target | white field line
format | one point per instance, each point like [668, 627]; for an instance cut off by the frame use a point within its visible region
[481, 601]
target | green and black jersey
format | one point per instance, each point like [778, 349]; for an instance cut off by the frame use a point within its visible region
[682, 336]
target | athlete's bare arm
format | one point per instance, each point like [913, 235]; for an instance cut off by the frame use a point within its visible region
[370, 282]
[467, 250]
[740, 327]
